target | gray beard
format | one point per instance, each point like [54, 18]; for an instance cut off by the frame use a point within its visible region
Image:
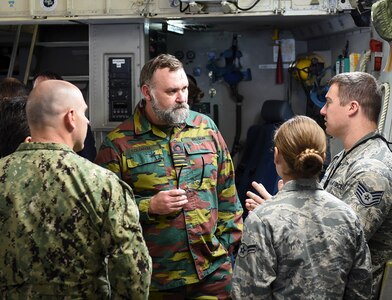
[172, 116]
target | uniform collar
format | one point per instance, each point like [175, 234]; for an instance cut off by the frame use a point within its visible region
[368, 136]
[43, 146]
[302, 184]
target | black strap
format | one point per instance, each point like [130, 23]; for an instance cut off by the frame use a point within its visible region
[332, 172]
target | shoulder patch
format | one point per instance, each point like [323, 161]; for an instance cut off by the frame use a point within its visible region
[246, 249]
[367, 198]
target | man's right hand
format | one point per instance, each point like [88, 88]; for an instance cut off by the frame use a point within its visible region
[166, 202]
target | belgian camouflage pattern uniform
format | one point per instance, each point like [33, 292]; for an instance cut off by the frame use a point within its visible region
[69, 229]
[304, 243]
[363, 179]
[190, 244]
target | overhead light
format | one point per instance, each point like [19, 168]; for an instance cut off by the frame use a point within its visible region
[176, 22]
[175, 26]
[175, 29]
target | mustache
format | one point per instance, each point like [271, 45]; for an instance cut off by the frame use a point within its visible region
[181, 106]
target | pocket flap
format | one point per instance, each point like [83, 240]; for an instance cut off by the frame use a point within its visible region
[136, 159]
[199, 146]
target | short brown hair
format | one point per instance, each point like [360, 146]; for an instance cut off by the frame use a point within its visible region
[160, 62]
[361, 87]
[12, 87]
[302, 143]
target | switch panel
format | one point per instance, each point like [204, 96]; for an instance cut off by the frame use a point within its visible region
[120, 88]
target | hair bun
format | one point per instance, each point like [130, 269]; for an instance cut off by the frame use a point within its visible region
[309, 161]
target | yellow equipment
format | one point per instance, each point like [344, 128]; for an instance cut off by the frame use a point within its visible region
[306, 68]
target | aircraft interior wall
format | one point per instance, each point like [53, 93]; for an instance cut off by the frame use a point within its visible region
[83, 62]
[256, 48]
[333, 46]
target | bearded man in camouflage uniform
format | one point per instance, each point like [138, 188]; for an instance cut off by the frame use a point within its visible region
[182, 174]
[361, 175]
[69, 229]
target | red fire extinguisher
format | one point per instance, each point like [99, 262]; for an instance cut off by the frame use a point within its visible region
[376, 48]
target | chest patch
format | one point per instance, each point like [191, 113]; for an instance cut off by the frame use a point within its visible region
[367, 198]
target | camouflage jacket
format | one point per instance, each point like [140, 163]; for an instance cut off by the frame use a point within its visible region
[188, 245]
[69, 229]
[304, 243]
[362, 178]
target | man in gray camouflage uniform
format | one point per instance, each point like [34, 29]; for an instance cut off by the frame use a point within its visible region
[361, 175]
[69, 229]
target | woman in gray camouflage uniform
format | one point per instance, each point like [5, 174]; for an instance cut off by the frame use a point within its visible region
[304, 243]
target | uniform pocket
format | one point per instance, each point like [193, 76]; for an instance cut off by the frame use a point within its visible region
[146, 168]
[194, 146]
[202, 156]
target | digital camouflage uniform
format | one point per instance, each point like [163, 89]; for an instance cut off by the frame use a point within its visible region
[190, 244]
[304, 243]
[69, 229]
[363, 179]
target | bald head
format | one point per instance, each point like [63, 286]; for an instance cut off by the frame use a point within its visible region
[55, 111]
[49, 100]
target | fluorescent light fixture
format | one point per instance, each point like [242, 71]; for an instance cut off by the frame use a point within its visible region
[176, 22]
[175, 29]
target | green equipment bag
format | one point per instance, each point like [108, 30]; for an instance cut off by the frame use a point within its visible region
[381, 16]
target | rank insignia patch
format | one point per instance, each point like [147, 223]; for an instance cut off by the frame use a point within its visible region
[246, 249]
[367, 198]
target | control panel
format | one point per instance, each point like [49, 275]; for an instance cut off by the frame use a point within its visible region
[120, 88]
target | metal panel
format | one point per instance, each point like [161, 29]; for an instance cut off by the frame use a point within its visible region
[107, 10]
[211, 8]
[122, 40]
[121, 7]
[44, 8]
[14, 8]
[330, 26]
[261, 6]
[190, 8]
[86, 7]
[306, 7]
[166, 8]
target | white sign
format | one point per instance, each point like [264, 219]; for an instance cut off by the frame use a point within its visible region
[118, 62]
